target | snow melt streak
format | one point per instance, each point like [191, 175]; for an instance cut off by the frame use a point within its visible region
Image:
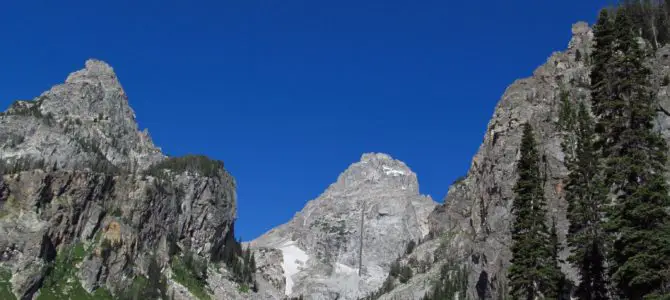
[294, 258]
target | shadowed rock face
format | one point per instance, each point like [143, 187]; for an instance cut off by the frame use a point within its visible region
[320, 245]
[74, 164]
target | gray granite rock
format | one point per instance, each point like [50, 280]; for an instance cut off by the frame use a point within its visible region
[320, 245]
[475, 217]
[74, 171]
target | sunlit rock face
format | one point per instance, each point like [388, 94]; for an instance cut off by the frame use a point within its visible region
[320, 245]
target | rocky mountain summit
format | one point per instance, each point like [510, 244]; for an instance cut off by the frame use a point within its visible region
[91, 209]
[85, 121]
[321, 244]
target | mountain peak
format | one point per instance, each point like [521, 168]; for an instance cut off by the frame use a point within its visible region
[375, 156]
[93, 69]
[325, 235]
[89, 113]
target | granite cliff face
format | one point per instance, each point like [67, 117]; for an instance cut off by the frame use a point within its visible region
[320, 245]
[79, 181]
[472, 227]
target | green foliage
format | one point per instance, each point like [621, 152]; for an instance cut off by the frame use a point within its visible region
[586, 194]
[191, 272]
[648, 19]
[452, 284]
[405, 274]
[634, 158]
[61, 282]
[156, 287]
[143, 289]
[567, 113]
[199, 164]
[5, 285]
[532, 271]
[397, 271]
[386, 287]
[578, 55]
[410, 247]
[241, 262]
[32, 109]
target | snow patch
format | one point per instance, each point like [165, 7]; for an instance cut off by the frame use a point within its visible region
[392, 171]
[294, 258]
[344, 269]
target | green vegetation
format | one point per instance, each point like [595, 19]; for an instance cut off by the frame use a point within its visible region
[192, 163]
[648, 18]
[410, 247]
[5, 285]
[632, 156]
[452, 284]
[399, 272]
[62, 283]
[153, 287]
[31, 108]
[586, 194]
[190, 272]
[241, 262]
[533, 269]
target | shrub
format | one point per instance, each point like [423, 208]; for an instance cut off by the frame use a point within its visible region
[410, 247]
[405, 274]
[191, 272]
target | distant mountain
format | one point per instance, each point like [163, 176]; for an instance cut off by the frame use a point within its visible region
[321, 244]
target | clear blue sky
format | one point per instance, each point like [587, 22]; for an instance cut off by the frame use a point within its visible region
[289, 93]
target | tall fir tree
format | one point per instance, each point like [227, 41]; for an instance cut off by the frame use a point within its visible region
[559, 283]
[586, 195]
[601, 80]
[634, 165]
[532, 272]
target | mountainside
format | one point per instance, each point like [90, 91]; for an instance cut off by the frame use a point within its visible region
[320, 245]
[90, 208]
[471, 230]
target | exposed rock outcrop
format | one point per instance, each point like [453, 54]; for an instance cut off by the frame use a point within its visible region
[475, 217]
[78, 176]
[320, 245]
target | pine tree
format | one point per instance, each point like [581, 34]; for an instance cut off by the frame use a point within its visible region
[586, 195]
[532, 272]
[558, 283]
[601, 78]
[634, 157]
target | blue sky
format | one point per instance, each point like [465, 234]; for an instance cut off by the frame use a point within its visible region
[289, 93]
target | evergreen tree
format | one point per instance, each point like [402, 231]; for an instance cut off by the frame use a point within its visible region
[558, 284]
[634, 157]
[586, 195]
[601, 78]
[532, 272]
